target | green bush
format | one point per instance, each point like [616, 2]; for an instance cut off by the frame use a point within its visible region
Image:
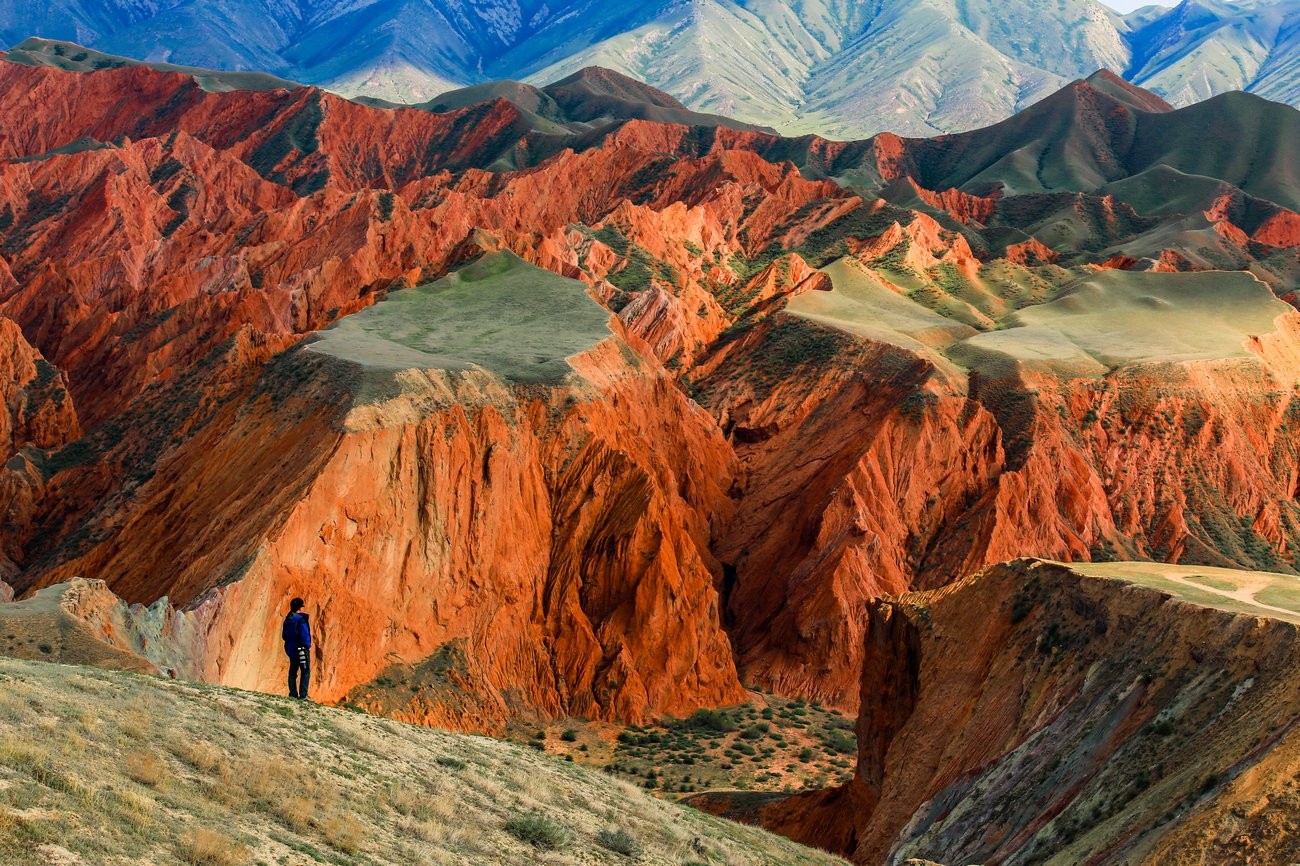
[619, 841]
[839, 741]
[1162, 728]
[537, 830]
[709, 720]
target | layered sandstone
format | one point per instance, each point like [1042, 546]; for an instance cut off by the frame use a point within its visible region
[1032, 713]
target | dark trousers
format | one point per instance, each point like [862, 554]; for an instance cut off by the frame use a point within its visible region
[299, 672]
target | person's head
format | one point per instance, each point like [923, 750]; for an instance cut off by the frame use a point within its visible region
[296, 605]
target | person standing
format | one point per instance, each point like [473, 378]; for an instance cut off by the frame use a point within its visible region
[297, 646]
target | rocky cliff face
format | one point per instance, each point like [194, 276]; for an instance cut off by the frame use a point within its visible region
[36, 411]
[551, 540]
[1034, 714]
[530, 537]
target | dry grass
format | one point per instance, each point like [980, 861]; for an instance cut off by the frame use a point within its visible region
[145, 768]
[199, 754]
[203, 847]
[342, 832]
[124, 768]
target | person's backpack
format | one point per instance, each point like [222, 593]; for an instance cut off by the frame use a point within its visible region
[296, 631]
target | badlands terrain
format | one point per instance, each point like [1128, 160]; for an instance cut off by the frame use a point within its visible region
[584, 419]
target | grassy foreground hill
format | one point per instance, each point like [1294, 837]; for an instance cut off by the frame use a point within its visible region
[100, 767]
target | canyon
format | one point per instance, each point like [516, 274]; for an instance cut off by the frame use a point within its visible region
[613, 414]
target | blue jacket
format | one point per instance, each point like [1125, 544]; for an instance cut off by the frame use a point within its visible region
[296, 632]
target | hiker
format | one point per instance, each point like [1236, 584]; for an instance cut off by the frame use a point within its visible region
[297, 646]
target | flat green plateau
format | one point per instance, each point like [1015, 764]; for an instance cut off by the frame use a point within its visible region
[499, 313]
[1092, 326]
[1258, 593]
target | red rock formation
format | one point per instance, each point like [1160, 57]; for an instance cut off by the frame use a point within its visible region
[606, 549]
[876, 473]
[986, 731]
[35, 409]
[536, 531]
[1119, 263]
[36, 414]
[926, 244]
[1034, 252]
[582, 580]
[1281, 229]
[1171, 261]
[973, 210]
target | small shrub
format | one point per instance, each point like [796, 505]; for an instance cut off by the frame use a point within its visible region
[839, 741]
[145, 768]
[709, 720]
[294, 812]
[619, 841]
[203, 847]
[199, 754]
[342, 833]
[1021, 608]
[537, 830]
[569, 735]
[451, 763]
[1163, 728]
[1052, 640]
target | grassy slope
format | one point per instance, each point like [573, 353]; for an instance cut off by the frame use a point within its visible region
[1119, 316]
[499, 313]
[861, 304]
[1259, 593]
[1096, 324]
[105, 768]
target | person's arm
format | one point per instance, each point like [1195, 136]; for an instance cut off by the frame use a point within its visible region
[304, 631]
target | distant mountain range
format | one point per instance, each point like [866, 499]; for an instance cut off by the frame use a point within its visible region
[834, 67]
